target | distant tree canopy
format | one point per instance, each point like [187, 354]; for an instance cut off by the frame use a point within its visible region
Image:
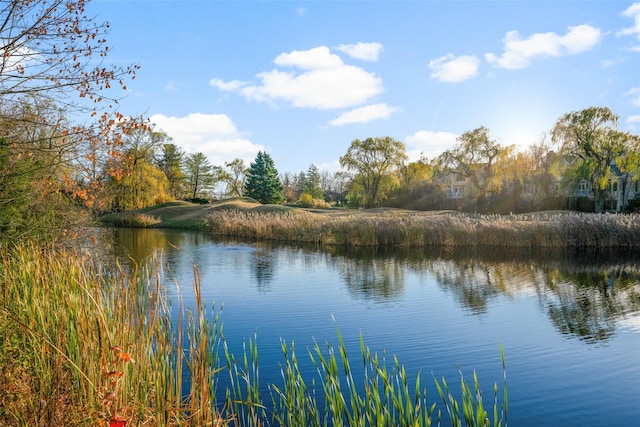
[418, 188]
[373, 162]
[474, 157]
[262, 182]
[604, 152]
[142, 182]
[234, 176]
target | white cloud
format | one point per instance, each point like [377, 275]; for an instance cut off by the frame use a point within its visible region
[634, 119]
[172, 86]
[632, 12]
[519, 53]
[452, 69]
[317, 58]
[634, 93]
[215, 135]
[364, 114]
[325, 82]
[364, 51]
[232, 85]
[429, 144]
[581, 38]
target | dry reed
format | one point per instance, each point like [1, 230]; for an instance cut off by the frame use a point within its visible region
[426, 230]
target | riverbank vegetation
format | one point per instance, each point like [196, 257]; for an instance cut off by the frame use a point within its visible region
[419, 229]
[244, 217]
[84, 345]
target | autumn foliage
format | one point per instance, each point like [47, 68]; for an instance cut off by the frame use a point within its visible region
[61, 136]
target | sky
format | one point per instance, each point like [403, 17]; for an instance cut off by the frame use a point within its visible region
[302, 79]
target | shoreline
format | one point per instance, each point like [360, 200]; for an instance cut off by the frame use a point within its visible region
[388, 226]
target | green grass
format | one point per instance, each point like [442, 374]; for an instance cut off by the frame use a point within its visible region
[85, 345]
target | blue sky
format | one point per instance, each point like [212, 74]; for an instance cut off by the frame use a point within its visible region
[301, 80]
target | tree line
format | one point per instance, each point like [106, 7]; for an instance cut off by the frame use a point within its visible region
[584, 149]
[477, 174]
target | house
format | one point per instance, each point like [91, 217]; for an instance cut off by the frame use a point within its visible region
[455, 185]
[622, 189]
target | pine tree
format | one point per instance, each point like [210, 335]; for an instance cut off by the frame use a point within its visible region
[171, 163]
[263, 183]
[199, 175]
[312, 183]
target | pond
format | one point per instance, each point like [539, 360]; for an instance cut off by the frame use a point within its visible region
[569, 322]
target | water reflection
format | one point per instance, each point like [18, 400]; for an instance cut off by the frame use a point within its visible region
[584, 294]
[370, 274]
[262, 268]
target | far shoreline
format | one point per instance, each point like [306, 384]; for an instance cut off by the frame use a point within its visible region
[246, 218]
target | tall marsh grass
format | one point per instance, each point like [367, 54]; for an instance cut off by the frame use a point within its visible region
[94, 346]
[85, 345]
[433, 229]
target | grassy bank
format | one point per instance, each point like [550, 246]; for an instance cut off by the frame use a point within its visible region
[84, 346]
[184, 215]
[243, 217]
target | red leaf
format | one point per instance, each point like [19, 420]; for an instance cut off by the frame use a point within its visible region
[117, 422]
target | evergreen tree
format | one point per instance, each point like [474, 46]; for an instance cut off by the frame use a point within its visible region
[171, 162]
[199, 174]
[312, 183]
[263, 183]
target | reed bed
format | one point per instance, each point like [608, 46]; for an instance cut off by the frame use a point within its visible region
[135, 220]
[85, 345]
[429, 229]
[90, 346]
[384, 397]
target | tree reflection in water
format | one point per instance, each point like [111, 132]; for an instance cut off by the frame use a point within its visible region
[262, 267]
[586, 294]
[372, 274]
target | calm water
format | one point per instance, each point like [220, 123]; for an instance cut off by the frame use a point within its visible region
[569, 322]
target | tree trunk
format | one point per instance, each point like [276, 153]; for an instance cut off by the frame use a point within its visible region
[599, 197]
